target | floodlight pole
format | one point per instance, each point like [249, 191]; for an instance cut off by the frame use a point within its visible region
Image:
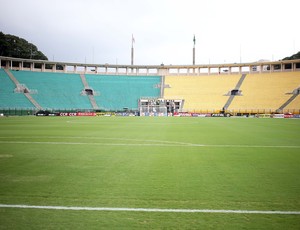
[132, 50]
[194, 56]
[132, 55]
[194, 50]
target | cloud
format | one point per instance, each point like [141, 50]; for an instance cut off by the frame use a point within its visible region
[100, 30]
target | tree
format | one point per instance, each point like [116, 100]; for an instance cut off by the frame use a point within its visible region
[293, 57]
[13, 46]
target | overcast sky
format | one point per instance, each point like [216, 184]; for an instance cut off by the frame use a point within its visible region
[100, 31]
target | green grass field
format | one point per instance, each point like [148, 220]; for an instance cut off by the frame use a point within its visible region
[149, 162]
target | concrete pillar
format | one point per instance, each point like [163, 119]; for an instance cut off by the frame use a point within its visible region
[260, 68]
[43, 67]
[54, 68]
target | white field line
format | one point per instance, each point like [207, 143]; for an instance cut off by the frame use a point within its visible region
[148, 144]
[100, 138]
[90, 143]
[149, 209]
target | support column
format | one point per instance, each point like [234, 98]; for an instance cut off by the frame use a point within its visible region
[43, 67]
[260, 68]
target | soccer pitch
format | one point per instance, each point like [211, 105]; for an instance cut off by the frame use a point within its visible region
[149, 173]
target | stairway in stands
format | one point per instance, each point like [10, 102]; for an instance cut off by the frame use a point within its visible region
[285, 104]
[236, 89]
[86, 86]
[27, 93]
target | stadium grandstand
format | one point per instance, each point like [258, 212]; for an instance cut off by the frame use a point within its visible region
[28, 86]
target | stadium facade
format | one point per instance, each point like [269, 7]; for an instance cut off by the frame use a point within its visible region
[28, 86]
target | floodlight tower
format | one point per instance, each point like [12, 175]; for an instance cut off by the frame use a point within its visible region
[194, 49]
[132, 49]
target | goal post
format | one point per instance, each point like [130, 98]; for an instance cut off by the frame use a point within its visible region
[159, 106]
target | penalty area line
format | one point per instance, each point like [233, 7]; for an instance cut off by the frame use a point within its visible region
[110, 209]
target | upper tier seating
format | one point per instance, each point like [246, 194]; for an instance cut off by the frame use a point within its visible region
[259, 92]
[267, 91]
[209, 93]
[64, 91]
[9, 99]
[119, 92]
[201, 93]
[55, 90]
